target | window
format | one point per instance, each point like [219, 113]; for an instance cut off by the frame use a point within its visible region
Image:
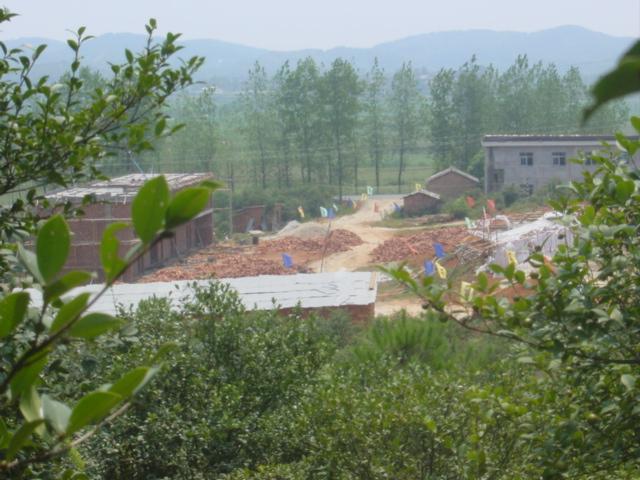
[526, 159]
[588, 160]
[559, 159]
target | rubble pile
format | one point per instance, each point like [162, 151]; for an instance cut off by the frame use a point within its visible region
[339, 241]
[420, 244]
[223, 266]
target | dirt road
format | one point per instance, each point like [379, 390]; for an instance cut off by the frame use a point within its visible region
[358, 258]
[360, 223]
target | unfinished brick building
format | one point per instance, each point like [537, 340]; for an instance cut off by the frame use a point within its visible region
[421, 202]
[113, 204]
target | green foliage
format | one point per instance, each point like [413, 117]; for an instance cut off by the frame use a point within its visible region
[457, 208]
[621, 81]
[53, 138]
[229, 372]
[576, 324]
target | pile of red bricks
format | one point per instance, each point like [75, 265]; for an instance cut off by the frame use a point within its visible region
[420, 244]
[338, 241]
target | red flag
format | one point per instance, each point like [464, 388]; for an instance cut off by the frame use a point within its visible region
[491, 205]
[470, 202]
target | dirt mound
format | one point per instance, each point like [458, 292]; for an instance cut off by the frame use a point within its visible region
[302, 230]
[420, 244]
[339, 241]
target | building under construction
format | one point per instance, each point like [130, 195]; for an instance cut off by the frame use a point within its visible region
[113, 204]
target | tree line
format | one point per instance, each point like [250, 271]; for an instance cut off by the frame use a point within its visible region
[323, 125]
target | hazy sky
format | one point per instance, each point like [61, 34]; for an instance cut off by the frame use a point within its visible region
[295, 24]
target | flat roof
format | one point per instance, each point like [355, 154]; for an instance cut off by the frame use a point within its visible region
[549, 140]
[310, 290]
[124, 188]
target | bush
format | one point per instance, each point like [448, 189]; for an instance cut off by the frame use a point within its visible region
[231, 369]
[457, 208]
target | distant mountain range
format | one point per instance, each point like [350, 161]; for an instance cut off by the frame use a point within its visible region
[227, 63]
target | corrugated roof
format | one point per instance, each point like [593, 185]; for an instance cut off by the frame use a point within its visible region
[121, 189]
[424, 192]
[310, 290]
[451, 170]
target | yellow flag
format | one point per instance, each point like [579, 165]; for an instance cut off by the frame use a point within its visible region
[511, 255]
[301, 212]
[466, 291]
[418, 187]
[442, 272]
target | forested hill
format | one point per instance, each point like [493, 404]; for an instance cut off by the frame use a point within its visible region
[228, 63]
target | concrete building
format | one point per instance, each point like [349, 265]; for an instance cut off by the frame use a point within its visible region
[420, 202]
[530, 162]
[113, 204]
[451, 183]
[320, 293]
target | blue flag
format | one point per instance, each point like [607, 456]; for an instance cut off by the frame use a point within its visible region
[428, 268]
[439, 249]
[287, 260]
[396, 207]
[331, 213]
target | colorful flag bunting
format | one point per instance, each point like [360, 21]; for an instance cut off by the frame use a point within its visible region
[369, 190]
[396, 207]
[491, 205]
[301, 212]
[442, 272]
[439, 249]
[287, 261]
[428, 268]
[418, 187]
[335, 208]
[323, 212]
[466, 292]
[511, 256]
[469, 223]
[470, 202]
[331, 213]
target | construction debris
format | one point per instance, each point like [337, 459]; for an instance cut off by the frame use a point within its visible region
[421, 244]
[222, 261]
[336, 241]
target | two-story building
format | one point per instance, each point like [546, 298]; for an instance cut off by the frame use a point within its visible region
[530, 162]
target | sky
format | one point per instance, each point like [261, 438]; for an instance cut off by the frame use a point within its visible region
[298, 24]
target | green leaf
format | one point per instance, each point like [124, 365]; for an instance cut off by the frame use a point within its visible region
[56, 413]
[629, 381]
[621, 81]
[63, 285]
[30, 262]
[635, 121]
[93, 325]
[69, 311]
[91, 408]
[21, 437]
[13, 308]
[30, 404]
[52, 247]
[148, 208]
[27, 375]
[132, 381]
[186, 205]
[112, 264]
[624, 189]
[588, 215]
